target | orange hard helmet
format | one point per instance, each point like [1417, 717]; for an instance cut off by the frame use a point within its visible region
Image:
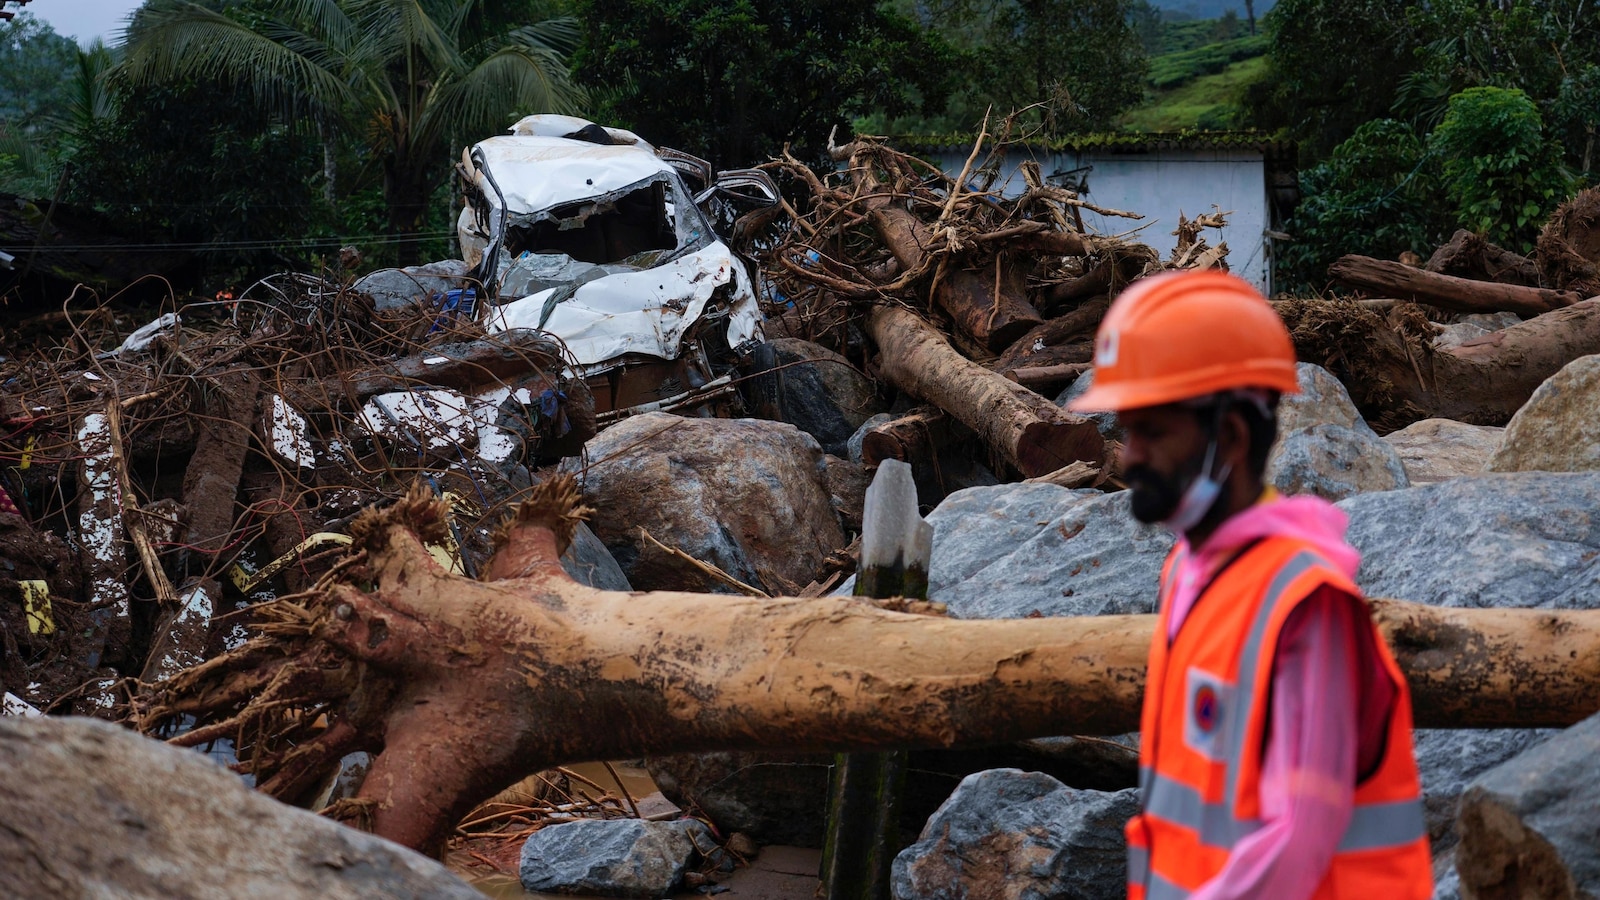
[1184, 335]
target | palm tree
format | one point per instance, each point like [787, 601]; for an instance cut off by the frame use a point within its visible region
[405, 76]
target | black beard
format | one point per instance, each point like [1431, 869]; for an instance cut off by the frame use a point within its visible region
[1152, 497]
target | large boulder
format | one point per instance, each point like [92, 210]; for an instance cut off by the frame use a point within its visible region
[1558, 429]
[1015, 550]
[1324, 446]
[612, 857]
[1022, 836]
[88, 809]
[776, 797]
[746, 495]
[814, 389]
[1436, 449]
[1531, 826]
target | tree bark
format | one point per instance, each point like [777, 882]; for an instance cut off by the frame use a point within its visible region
[1470, 255]
[1064, 340]
[912, 438]
[1392, 279]
[1027, 430]
[1397, 378]
[993, 311]
[469, 685]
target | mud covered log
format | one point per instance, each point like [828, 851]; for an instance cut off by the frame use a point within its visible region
[1069, 334]
[470, 685]
[1470, 255]
[1392, 279]
[1027, 430]
[211, 481]
[1396, 377]
[994, 311]
[913, 437]
[463, 366]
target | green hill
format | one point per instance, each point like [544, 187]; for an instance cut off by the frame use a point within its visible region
[1205, 101]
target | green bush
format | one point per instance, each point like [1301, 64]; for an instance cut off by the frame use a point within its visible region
[1500, 173]
[1375, 195]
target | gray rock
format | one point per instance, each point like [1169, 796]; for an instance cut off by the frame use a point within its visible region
[88, 809]
[612, 857]
[1322, 400]
[853, 446]
[747, 495]
[779, 798]
[1325, 447]
[396, 288]
[589, 562]
[1105, 421]
[1472, 327]
[1003, 552]
[1531, 827]
[1022, 836]
[1449, 759]
[1436, 449]
[1558, 429]
[1516, 540]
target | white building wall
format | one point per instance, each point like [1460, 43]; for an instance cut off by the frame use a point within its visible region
[1160, 185]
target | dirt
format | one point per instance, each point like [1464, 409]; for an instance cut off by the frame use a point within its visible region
[1569, 246]
[55, 657]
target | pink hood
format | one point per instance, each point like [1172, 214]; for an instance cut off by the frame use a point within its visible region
[1310, 519]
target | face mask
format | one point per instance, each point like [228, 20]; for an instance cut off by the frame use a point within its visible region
[1200, 497]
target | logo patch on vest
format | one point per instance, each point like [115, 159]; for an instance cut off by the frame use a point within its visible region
[1209, 702]
[1205, 708]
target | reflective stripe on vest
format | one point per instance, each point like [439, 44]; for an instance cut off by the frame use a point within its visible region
[1373, 825]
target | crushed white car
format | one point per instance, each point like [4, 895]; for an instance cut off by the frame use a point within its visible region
[595, 236]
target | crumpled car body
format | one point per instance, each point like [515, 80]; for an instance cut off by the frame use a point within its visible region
[596, 237]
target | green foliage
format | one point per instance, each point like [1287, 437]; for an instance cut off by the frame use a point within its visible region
[35, 65]
[736, 80]
[1500, 172]
[1193, 34]
[1176, 69]
[410, 79]
[1373, 195]
[1333, 65]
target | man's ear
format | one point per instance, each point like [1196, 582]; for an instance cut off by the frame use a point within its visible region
[1233, 442]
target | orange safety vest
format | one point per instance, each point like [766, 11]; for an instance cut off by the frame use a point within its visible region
[1204, 724]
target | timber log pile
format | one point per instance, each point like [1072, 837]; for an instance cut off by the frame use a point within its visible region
[1526, 317]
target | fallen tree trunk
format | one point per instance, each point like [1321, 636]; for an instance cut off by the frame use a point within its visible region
[913, 437]
[466, 686]
[1068, 335]
[1392, 279]
[1396, 376]
[1470, 255]
[992, 308]
[1027, 430]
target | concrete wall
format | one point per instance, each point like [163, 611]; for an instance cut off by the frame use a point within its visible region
[1159, 185]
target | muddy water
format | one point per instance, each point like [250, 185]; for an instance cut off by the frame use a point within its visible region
[636, 781]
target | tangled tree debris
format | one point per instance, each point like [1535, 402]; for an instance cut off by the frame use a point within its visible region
[307, 524]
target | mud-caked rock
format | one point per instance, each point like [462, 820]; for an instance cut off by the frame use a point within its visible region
[89, 809]
[612, 857]
[1324, 446]
[1528, 826]
[1022, 835]
[1105, 421]
[746, 495]
[1436, 449]
[1558, 429]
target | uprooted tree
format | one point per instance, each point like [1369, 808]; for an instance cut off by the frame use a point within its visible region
[462, 687]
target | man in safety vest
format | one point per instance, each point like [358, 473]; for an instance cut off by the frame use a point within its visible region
[1276, 759]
